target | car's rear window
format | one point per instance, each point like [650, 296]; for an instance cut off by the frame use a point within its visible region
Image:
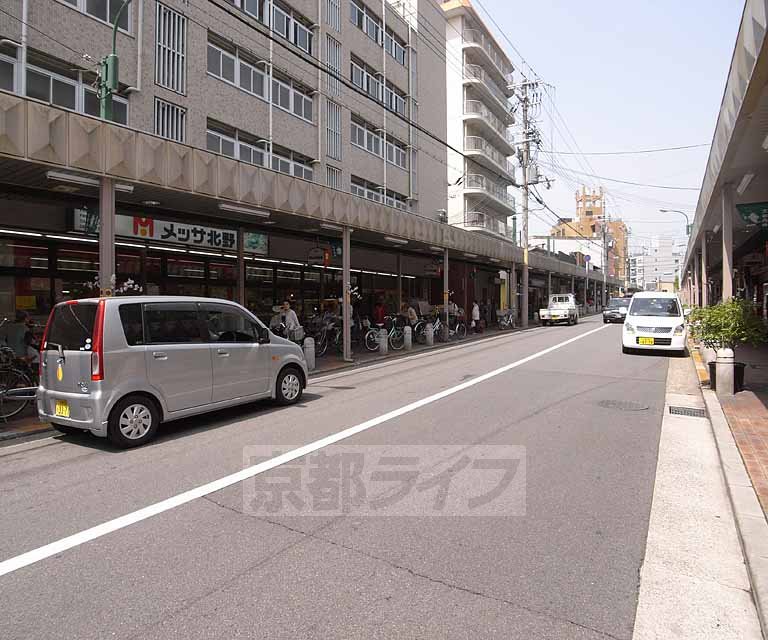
[130, 318]
[72, 327]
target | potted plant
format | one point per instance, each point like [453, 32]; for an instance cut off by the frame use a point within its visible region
[723, 327]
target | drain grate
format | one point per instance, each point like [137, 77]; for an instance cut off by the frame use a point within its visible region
[622, 405]
[688, 411]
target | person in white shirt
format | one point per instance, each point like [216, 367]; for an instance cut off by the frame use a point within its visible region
[475, 316]
[290, 319]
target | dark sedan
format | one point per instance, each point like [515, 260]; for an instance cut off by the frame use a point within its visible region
[616, 311]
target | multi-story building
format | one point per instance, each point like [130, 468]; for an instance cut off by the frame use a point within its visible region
[248, 140]
[657, 267]
[478, 88]
[592, 222]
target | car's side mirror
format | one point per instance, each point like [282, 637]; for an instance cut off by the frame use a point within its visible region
[687, 312]
[263, 334]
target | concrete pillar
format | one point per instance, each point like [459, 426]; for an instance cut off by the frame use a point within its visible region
[309, 352]
[407, 338]
[696, 274]
[445, 291]
[549, 285]
[399, 282]
[106, 236]
[573, 286]
[513, 287]
[724, 373]
[704, 291]
[524, 291]
[727, 228]
[346, 300]
[241, 268]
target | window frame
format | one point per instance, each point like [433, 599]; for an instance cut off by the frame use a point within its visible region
[80, 7]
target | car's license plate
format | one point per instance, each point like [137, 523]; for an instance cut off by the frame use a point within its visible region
[62, 409]
[645, 341]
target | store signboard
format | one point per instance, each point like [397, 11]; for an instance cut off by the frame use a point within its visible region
[756, 213]
[193, 235]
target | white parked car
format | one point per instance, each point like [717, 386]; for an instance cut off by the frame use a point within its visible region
[655, 320]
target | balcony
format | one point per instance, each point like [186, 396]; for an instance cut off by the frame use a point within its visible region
[476, 112]
[475, 75]
[483, 222]
[477, 40]
[484, 153]
[494, 194]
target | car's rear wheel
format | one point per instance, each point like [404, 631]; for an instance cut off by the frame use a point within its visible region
[289, 386]
[133, 422]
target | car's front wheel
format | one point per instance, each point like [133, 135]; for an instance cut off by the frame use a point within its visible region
[289, 386]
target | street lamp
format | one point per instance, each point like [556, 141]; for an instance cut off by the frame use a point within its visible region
[109, 71]
[684, 214]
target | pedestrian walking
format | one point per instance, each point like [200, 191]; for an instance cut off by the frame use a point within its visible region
[475, 316]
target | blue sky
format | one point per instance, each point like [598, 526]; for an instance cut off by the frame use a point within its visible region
[627, 75]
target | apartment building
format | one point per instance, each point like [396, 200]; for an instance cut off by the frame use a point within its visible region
[657, 268]
[249, 139]
[478, 86]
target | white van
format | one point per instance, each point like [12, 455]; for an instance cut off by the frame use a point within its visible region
[118, 367]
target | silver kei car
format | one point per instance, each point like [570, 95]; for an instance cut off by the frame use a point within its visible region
[118, 367]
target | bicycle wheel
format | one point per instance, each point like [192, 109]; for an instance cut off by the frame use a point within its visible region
[418, 332]
[372, 340]
[397, 339]
[321, 344]
[12, 379]
[461, 331]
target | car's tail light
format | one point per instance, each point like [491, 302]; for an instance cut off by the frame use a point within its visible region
[97, 345]
[41, 364]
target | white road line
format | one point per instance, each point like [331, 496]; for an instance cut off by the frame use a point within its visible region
[53, 548]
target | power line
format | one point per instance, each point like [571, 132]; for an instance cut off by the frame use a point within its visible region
[636, 184]
[626, 153]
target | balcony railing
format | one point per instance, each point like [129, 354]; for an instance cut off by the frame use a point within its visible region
[476, 181]
[484, 221]
[477, 108]
[477, 37]
[476, 72]
[476, 143]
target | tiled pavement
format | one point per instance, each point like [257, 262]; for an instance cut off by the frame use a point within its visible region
[747, 415]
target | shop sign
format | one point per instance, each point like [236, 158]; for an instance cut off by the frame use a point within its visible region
[194, 235]
[432, 269]
[319, 257]
[756, 213]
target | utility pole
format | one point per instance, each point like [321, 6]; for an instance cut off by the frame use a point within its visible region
[605, 251]
[524, 163]
[109, 71]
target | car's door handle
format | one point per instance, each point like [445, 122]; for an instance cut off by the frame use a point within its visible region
[159, 355]
[223, 353]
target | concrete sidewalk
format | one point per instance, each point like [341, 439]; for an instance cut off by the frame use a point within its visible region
[693, 582]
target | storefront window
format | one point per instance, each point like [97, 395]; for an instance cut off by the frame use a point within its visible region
[78, 259]
[184, 289]
[152, 275]
[289, 288]
[18, 293]
[311, 292]
[129, 265]
[259, 291]
[184, 268]
[78, 268]
[222, 271]
[22, 255]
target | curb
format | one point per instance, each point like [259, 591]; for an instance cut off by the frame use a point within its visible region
[750, 519]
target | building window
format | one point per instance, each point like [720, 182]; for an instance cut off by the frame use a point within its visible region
[69, 93]
[104, 10]
[170, 121]
[289, 97]
[333, 14]
[7, 73]
[236, 148]
[333, 142]
[333, 177]
[370, 191]
[235, 71]
[288, 24]
[397, 154]
[369, 81]
[370, 24]
[333, 62]
[366, 136]
[170, 49]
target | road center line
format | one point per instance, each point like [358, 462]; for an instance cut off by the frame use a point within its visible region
[75, 540]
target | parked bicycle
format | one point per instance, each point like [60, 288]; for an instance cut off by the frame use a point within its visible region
[15, 374]
[456, 328]
[395, 334]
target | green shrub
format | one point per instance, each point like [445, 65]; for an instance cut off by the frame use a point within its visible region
[727, 324]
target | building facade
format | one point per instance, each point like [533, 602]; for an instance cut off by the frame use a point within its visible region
[592, 222]
[478, 88]
[657, 268]
[249, 140]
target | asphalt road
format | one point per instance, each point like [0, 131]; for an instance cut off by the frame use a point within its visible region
[564, 565]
